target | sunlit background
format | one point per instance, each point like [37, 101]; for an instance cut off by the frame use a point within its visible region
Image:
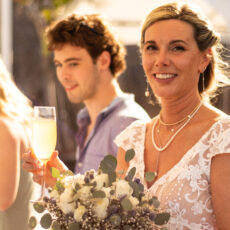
[22, 24]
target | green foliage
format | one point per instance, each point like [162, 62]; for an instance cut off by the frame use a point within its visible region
[46, 221]
[162, 218]
[58, 3]
[129, 155]
[108, 164]
[74, 226]
[155, 202]
[55, 226]
[150, 176]
[55, 172]
[131, 174]
[136, 188]
[39, 207]
[126, 204]
[99, 194]
[32, 222]
[59, 187]
[112, 177]
[115, 219]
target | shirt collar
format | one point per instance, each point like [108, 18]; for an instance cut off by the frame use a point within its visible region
[83, 113]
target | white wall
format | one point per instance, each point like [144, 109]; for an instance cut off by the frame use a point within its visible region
[6, 50]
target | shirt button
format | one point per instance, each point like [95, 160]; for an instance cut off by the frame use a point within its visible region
[79, 164]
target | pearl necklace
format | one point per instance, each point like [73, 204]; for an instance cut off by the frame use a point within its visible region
[190, 116]
[175, 123]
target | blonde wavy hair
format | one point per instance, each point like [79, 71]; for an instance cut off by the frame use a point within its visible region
[217, 72]
[13, 103]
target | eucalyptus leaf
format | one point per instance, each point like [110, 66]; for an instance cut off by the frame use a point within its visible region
[131, 174]
[126, 204]
[55, 172]
[74, 226]
[68, 173]
[59, 187]
[99, 194]
[32, 222]
[129, 155]
[115, 219]
[136, 188]
[155, 202]
[162, 218]
[55, 226]
[46, 221]
[112, 177]
[150, 176]
[108, 164]
[38, 207]
[141, 187]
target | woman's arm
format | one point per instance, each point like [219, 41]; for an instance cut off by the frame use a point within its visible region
[10, 166]
[220, 189]
[122, 165]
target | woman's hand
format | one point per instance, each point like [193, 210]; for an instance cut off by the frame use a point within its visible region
[32, 164]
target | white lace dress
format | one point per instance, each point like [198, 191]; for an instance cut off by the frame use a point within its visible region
[185, 189]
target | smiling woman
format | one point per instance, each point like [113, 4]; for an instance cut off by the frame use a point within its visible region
[187, 145]
[173, 63]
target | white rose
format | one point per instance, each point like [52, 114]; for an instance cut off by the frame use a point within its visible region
[83, 193]
[100, 207]
[67, 195]
[101, 180]
[123, 189]
[106, 191]
[54, 194]
[79, 178]
[66, 203]
[79, 212]
[134, 201]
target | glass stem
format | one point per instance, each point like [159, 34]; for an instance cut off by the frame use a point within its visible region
[43, 179]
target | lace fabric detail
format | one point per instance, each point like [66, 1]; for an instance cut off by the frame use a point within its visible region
[184, 190]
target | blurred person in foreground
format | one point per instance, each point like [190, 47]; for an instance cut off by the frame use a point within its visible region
[16, 185]
[187, 144]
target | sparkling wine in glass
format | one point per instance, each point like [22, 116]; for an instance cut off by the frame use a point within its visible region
[44, 137]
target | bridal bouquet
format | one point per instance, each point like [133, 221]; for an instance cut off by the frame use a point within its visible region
[100, 200]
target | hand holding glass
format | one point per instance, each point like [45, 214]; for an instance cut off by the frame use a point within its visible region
[44, 136]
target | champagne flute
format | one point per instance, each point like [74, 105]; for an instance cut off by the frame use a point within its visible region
[44, 137]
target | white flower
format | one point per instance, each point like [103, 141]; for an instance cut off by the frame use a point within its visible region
[101, 180]
[100, 207]
[123, 189]
[66, 207]
[67, 195]
[66, 203]
[134, 201]
[54, 194]
[83, 193]
[79, 212]
[106, 191]
[79, 178]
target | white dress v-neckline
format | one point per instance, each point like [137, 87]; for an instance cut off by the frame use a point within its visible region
[184, 190]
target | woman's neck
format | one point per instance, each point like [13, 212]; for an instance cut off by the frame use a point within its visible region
[173, 111]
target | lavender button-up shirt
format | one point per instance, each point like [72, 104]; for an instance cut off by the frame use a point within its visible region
[110, 122]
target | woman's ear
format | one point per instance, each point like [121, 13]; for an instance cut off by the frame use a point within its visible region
[207, 55]
[104, 60]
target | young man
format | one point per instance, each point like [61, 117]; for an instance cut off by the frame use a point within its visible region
[88, 60]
